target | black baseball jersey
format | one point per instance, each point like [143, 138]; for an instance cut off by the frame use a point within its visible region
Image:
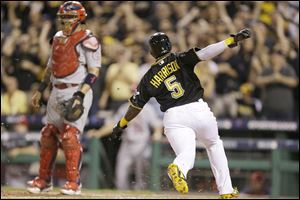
[171, 80]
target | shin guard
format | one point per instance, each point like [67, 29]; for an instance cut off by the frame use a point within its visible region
[49, 147]
[72, 150]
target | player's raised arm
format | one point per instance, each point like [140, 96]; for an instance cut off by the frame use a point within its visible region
[217, 48]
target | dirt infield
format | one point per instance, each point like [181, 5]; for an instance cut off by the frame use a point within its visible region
[13, 193]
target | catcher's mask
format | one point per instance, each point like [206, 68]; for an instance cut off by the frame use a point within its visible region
[159, 44]
[70, 15]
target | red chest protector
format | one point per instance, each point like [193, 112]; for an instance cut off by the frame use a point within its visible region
[64, 55]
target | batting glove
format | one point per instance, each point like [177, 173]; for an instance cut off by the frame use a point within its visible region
[117, 131]
[233, 40]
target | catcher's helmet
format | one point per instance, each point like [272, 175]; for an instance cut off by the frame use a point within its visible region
[70, 14]
[159, 44]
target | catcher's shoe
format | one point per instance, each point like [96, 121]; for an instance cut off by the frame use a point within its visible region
[71, 188]
[178, 179]
[234, 194]
[38, 185]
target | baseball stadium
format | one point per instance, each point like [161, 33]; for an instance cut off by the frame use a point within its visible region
[149, 99]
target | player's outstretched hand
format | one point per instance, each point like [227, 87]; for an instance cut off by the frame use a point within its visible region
[36, 100]
[117, 131]
[240, 36]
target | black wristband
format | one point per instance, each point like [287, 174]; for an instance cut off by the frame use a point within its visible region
[42, 87]
[80, 94]
[90, 79]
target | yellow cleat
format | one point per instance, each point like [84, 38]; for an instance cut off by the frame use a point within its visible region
[178, 179]
[235, 194]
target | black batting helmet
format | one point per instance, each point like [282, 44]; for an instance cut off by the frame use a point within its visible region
[159, 44]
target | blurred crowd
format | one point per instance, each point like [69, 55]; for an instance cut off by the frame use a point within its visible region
[257, 80]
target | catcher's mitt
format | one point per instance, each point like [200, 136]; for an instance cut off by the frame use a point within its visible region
[71, 111]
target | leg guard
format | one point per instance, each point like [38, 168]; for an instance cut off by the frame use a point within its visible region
[72, 149]
[49, 147]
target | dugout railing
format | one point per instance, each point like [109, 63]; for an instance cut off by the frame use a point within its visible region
[279, 145]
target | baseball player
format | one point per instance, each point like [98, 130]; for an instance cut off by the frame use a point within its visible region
[135, 149]
[72, 69]
[172, 81]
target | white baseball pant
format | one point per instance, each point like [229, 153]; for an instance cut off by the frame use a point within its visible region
[183, 125]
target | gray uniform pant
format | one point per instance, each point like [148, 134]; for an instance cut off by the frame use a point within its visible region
[133, 157]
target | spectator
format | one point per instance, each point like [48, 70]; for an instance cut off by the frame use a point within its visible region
[248, 107]
[226, 88]
[27, 27]
[278, 82]
[13, 101]
[242, 61]
[256, 184]
[121, 78]
[206, 72]
[25, 63]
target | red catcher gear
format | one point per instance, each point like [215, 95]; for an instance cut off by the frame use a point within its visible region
[49, 147]
[64, 55]
[70, 14]
[72, 149]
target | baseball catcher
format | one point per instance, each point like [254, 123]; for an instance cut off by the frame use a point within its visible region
[72, 69]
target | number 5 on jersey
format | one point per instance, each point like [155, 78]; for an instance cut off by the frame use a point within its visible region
[173, 86]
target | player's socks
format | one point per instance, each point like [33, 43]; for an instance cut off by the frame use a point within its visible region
[178, 179]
